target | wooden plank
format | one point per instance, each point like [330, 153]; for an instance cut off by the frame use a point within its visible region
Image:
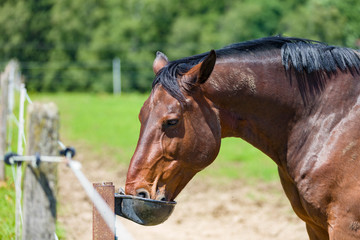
[39, 202]
[101, 230]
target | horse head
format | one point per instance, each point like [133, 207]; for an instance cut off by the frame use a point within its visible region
[177, 138]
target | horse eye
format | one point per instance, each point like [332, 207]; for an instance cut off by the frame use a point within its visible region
[172, 122]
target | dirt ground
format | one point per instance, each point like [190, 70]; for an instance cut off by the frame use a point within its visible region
[205, 209]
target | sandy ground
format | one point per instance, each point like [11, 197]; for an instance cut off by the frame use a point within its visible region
[205, 209]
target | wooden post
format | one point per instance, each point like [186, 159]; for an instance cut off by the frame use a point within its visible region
[101, 231]
[39, 202]
[4, 84]
[7, 78]
[116, 76]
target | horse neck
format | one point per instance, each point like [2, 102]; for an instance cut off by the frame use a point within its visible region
[255, 102]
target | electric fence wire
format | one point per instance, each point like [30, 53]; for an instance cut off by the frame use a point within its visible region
[108, 215]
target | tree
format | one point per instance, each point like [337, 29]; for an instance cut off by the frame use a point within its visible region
[69, 45]
[335, 21]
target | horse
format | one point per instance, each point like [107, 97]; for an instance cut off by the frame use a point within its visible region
[297, 100]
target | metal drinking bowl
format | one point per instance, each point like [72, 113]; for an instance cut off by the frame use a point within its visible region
[143, 210]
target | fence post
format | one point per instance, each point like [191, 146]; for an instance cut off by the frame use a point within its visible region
[101, 231]
[4, 83]
[116, 76]
[39, 202]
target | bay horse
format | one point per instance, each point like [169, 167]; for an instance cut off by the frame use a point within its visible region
[296, 100]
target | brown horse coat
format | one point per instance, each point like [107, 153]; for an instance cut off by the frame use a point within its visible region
[296, 100]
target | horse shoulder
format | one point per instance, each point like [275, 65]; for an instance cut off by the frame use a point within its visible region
[327, 178]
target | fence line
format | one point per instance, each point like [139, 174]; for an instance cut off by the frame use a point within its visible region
[107, 214]
[83, 70]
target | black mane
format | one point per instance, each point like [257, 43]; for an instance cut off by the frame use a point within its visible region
[312, 62]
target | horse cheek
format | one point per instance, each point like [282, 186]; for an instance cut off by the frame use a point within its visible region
[205, 149]
[171, 147]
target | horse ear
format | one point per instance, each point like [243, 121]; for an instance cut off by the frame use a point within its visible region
[207, 66]
[201, 72]
[160, 61]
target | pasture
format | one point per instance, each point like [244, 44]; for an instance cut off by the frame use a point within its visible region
[107, 125]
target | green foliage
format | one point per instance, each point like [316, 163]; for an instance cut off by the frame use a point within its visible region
[76, 40]
[336, 22]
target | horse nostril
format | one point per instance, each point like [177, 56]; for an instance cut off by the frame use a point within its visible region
[161, 197]
[143, 193]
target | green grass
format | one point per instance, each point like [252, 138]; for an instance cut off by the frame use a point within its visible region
[7, 191]
[7, 207]
[239, 159]
[109, 124]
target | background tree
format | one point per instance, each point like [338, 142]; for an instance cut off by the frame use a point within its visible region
[69, 45]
